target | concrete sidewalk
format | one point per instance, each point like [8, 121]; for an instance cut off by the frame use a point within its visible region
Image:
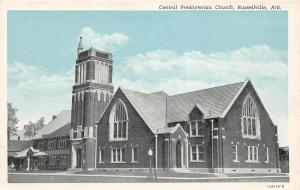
[159, 175]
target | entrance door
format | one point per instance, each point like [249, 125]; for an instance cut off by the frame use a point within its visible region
[78, 158]
[178, 154]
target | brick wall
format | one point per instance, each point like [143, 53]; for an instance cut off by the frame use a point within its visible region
[233, 133]
[57, 165]
[138, 135]
[195, 115]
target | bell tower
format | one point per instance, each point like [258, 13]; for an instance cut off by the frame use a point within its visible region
[91, 93]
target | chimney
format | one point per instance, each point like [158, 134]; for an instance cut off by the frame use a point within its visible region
[54, 117]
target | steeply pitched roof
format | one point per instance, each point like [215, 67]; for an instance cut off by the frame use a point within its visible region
[214, 101]
[63, 131]
[151, 107]
[62, 119]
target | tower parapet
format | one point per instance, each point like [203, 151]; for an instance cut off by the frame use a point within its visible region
[94, 66]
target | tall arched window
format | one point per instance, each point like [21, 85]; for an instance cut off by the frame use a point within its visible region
[118, 122]
[250, 119]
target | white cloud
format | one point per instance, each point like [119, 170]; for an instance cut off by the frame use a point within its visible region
[182, 72]
[261, 53]
[102, 41]
[241, 62]
[37, 93]
[19, 71]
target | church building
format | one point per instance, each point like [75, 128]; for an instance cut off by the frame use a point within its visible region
[224, 129]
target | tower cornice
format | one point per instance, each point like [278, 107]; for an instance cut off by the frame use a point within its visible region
[93, 58]
[91, 85]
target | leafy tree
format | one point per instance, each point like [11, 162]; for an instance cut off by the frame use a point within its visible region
[12, 120]
[31, 128]
[39, 124]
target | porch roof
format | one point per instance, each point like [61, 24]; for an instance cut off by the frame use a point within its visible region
[35, 152]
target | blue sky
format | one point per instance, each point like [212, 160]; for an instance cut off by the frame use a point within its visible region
[171, 51]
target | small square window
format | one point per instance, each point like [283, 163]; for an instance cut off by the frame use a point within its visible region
[197, 152]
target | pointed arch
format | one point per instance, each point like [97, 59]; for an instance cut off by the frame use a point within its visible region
[250, 119]
[118, 121]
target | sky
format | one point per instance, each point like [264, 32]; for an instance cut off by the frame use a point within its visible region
[175, 52]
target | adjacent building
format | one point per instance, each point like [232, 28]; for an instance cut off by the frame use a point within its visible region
[48, 150]
[284, 159]
[54, 141]
[13, 148]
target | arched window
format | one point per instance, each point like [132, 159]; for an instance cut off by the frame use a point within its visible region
[250, 119]
[118, 122]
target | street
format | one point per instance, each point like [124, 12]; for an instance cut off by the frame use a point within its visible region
[106, 178]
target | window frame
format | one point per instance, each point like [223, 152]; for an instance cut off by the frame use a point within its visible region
[267, 158]
[197, 153]
[117, 128]
[197, 128]
[62, 143]
[63, 160]
[252, 152]
[51, 144]
[100, 155]
[134, 155]
[79, 132]
[250, 122]
[235, 153]
[119, 153]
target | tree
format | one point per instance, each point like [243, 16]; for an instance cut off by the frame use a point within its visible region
[40, 124]
[12, 120]
[31, 128]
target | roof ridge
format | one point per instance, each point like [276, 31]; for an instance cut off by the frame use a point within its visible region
[152, 93]
[54, 124]
[159, 91]
[205, 89]
[144, 93]
[64, 110]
